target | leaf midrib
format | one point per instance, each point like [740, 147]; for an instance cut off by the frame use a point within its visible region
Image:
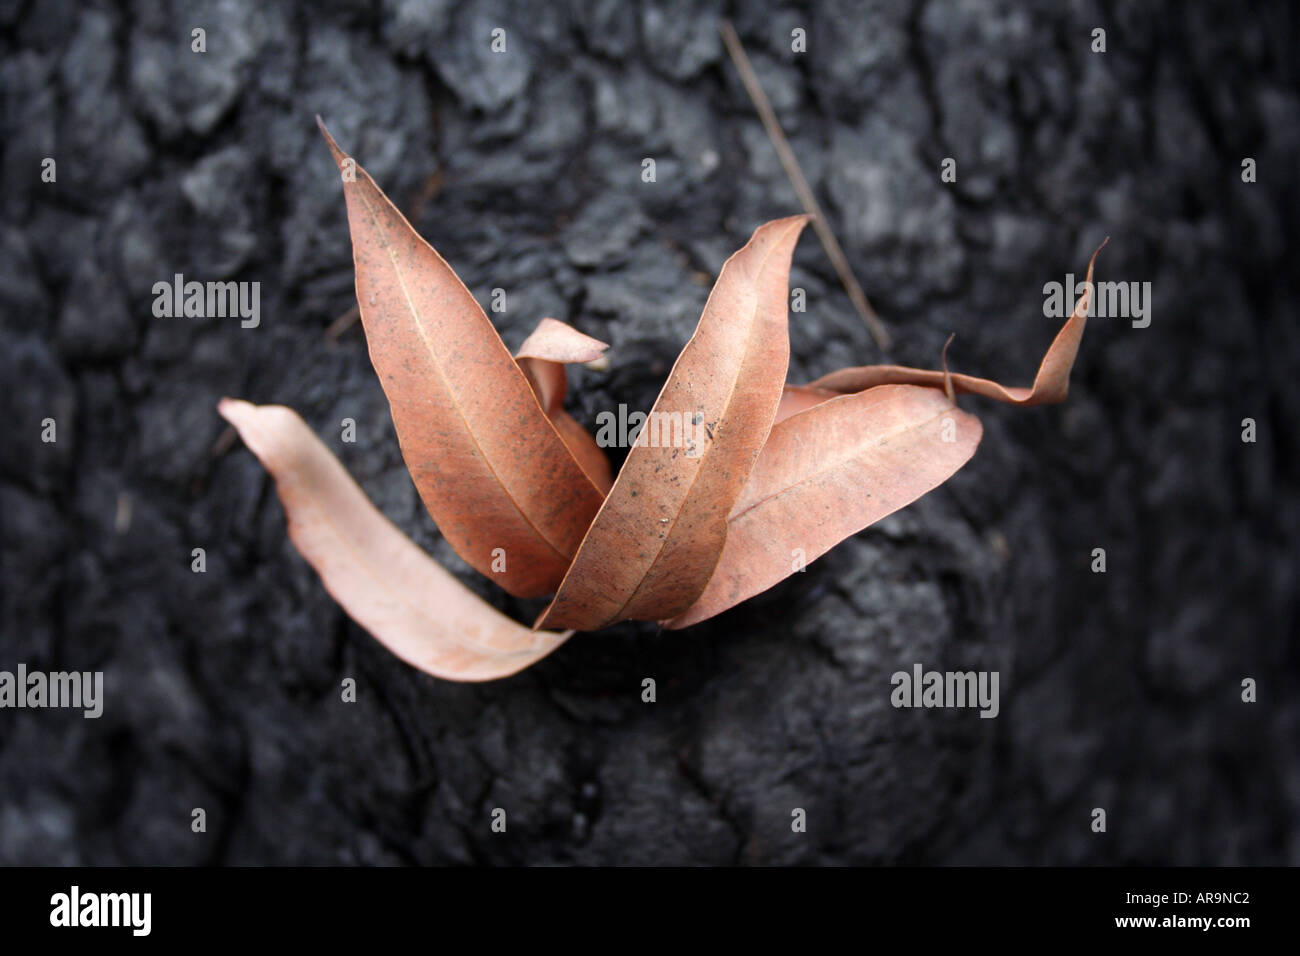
[836, 462]
[726, 405]
[442, 375]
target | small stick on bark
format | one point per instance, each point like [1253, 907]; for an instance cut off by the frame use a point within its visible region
[225, 441]
[342, 324]
[801, 188]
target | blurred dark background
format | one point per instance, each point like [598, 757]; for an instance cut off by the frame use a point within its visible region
[1119, 690]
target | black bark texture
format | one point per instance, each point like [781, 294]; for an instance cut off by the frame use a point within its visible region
[1120, 691]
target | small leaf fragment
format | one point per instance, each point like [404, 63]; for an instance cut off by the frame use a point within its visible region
[542, 358]
[555, 343]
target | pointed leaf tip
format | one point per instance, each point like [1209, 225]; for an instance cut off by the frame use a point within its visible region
[335, 150]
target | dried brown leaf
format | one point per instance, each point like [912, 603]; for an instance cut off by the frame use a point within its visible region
[825, 474]
[658, 536]
[1050, 384]
[405, 599]
[486, 460]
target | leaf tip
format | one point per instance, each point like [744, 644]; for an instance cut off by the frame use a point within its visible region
[229, 408]
[947, 376]
[1094, 257]
[338, 153]
[800, 221]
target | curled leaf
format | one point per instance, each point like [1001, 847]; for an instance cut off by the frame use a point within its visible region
[556, 344]
[827, 473]
[1050, 384]
[542, 358]
[494, 473]
[656, 539]
[404, 598]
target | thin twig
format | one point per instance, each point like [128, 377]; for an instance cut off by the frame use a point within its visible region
[343, 323]
[225, 441]
[801, 188]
